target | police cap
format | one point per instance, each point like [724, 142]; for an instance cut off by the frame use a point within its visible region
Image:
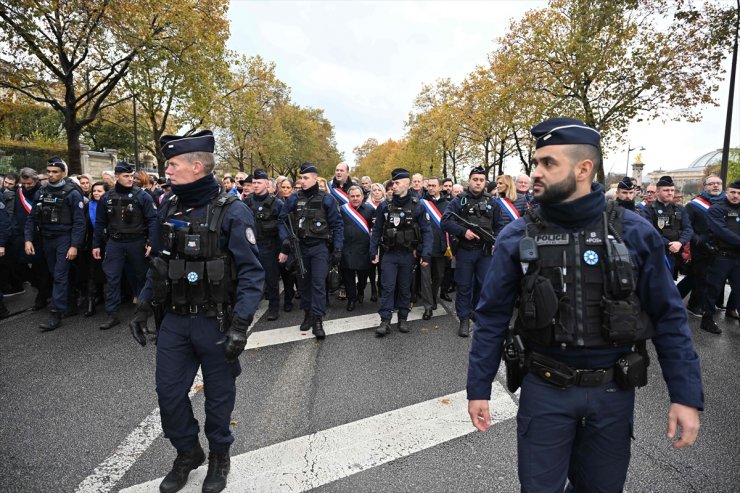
[734, 184]
[626, 183]
[57, 162]
[477, 171]
[123, 167]
[665, 181]
[174, 145]
[260, 174]
[400, 173]
[308, 168]
[559, 131]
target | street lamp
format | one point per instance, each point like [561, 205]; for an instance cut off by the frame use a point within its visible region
[630, 149]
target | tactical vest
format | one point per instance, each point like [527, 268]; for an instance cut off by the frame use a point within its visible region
[478, 211]
[51, 206]
[580, 292]
[400, 230]
[125, 215]
[667, 220]
[266, 218]
[311, 216]
[195, 269]
[732, 221]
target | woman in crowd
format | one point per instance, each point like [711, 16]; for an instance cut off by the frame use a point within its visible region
[90, 269]
[323, 184]
[377, 195]
[283, 190]
[506, 190]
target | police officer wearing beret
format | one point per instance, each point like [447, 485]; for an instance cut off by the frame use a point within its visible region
[403, 232]
[208, 280]
[266, 209]
[577, 332]
[626, 193]
[317, 223]
[58, 214]
[128, 214]
[474, 254]
[723, 220]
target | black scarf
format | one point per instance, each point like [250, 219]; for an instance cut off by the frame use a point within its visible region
[401, 201]
[197, 193]
[123, 190]
[627, 204]
[30, 194]
[311, 191]
[579, 213]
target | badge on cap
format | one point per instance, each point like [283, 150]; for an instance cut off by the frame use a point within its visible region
[192, 277]
[591, 257]
[250, 236]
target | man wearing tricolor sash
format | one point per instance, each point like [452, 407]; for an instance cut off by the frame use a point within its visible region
[357, 217]
[340, 183]
[431, 275]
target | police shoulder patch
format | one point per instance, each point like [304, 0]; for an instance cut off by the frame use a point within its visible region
[81, 205]
[250, 236]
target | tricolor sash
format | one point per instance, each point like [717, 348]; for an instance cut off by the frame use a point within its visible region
[372, 204]
[26, 203]
[508, 207]
[340, 194]
[356, 217]
[701, 202]
[433, 212]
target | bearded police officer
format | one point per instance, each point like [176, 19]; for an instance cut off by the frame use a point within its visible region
[58, 214]
[128, 215]
[266, 208]
[474, 253]
[316, 222]
[626, 193]
[576, 329]
[403, 232]
[723, 220]
[208, 279]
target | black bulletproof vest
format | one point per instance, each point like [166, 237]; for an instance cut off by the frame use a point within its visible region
[51, 207]
[198, 270]
[667, 220]
[311, 216]
[125, 215]
[574, 267]
[479, 212]
[732, 221]
[399, 229]
[265, 215]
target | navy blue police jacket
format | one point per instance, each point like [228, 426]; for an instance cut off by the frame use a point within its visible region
[717, 225]
[655, 288]
[5, 221]
[332, 216]
[77, 229]
[238, 238]
[687, 232]
[381, 214]
[498, 221]
[148, 210]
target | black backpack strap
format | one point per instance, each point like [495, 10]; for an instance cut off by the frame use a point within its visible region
[217, 209]
[615, 220]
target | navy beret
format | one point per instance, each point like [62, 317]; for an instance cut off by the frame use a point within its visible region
[174, 145]
[626, 184]
[308, 168]
[400, 173]
[477, 171]
[558, 131]
[259, 174]
[123, 167]
[57, 162]
[734, 184]
[665, 181]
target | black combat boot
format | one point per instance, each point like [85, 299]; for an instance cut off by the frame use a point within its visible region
[111, 322]
[273, 315]
[4, 313]
[373, 292]
[384, 328]
[89, 306]
[708, 324]
[428, 312]
[218, 470]
[185, 462]
[54, 322]
[403, 326]
[464, 330]
[307, 320]
[318, 327]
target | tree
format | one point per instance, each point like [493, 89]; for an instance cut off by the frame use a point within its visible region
[26, 120]
[363, 150]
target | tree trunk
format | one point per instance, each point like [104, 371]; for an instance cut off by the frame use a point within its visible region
[74, 160]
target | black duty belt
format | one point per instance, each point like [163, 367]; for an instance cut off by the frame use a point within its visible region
[562, 375]
[127, 236]
[193, 310]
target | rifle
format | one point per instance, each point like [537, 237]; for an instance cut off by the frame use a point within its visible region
[295, 246]
[484, 235]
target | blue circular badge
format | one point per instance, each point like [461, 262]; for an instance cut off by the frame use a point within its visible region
[402, 214]
[591, 257]
[192, 276]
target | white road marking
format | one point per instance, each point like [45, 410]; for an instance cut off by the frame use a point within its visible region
[313, 460]
[349, 324]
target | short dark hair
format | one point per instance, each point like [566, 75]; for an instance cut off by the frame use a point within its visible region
[581, 152]
[445, 180]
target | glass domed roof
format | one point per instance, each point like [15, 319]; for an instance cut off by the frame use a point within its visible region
[714, 157]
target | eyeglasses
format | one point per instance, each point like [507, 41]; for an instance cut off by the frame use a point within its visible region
[650, 192]
[715, 184]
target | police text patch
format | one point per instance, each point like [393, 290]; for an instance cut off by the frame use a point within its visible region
[553, 239]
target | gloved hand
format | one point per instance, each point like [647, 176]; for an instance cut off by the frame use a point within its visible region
[138, 324]
[336, 257]
[236, 338]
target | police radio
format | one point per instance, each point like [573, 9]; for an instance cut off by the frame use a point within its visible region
[620, 274]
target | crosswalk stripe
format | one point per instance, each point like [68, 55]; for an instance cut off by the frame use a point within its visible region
[313, 460]
[336, 326]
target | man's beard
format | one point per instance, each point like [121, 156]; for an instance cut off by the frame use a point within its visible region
[557, 192]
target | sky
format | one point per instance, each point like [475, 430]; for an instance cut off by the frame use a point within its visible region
[364, 63]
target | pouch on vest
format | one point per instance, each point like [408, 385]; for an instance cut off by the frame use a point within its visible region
[538, 303]
[620, 319]
[196, 284]
[159, 279]
[564, 328]
[176, 273]
[217, 287]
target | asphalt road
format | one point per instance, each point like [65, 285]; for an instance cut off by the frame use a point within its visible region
[69, 399]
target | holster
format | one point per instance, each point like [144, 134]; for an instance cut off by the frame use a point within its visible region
[515, 369]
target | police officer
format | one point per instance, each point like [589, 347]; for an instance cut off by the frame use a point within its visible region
[58, 214]
[357, 218]
[208, 279]
[266, 209]
[128, 214]
[671, 221]
[626, 193]
[473, 255]
[403, 232]
[577, 399]
[317, 224]
[723, 220]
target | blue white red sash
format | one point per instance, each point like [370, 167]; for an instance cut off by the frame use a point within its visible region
[26, 203]
[701, 203]
[372, 204]
[433, 212]
[508, 207]
[340, 194]
[356, 217]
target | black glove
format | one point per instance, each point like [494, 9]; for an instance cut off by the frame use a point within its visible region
[336, 257]
[138, 324]
[236, 338]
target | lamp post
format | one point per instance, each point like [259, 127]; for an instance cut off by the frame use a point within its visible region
[630, 149]
[730, 101]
